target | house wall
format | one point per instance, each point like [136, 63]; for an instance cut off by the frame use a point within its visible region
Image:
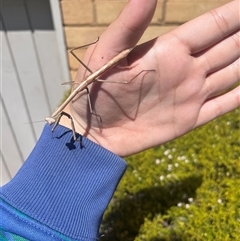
[33, 66]
[85, 20]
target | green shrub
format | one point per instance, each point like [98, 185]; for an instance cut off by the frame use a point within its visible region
[187, 189]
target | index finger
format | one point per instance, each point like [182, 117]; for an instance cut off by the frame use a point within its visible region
[126, 30]
[210, 28]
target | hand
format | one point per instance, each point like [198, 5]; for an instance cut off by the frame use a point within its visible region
[194, 66]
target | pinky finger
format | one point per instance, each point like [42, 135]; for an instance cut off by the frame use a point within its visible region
[219, 106]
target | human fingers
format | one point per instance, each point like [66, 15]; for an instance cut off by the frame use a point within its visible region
[210, 28]
[222, 80]
[220, 55]
[219, 106]
[125, 31]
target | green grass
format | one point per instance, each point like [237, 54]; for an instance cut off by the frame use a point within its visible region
[188, 189]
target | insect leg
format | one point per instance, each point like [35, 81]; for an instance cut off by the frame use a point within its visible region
[90, 106]
[124, 82]
[79, 60]
[72, 124]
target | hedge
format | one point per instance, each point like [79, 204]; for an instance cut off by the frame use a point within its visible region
[187, 189]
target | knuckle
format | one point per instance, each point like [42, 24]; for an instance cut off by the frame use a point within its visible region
[220, 20]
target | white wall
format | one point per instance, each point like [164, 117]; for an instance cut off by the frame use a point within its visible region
[33, 66]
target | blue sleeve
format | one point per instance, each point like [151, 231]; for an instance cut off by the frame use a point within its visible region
[61, 191]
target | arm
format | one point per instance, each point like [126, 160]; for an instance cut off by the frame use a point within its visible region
[61, 191]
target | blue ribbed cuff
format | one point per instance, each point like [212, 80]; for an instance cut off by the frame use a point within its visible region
[64, 185]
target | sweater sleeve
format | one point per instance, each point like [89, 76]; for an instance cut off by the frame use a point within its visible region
[62, 190]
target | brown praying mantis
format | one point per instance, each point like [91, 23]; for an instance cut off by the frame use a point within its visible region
[58, 113]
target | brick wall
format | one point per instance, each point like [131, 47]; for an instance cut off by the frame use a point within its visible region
[85, 20]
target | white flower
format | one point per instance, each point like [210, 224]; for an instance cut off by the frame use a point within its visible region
[179, 204]
[157, 161]
[181, 158]
[161, 177]
[166, 152]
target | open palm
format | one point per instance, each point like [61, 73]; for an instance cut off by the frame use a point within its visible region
[186, 80]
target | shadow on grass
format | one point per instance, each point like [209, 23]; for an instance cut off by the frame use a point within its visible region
[127, 215]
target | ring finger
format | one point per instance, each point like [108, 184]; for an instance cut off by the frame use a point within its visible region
[222, 80]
